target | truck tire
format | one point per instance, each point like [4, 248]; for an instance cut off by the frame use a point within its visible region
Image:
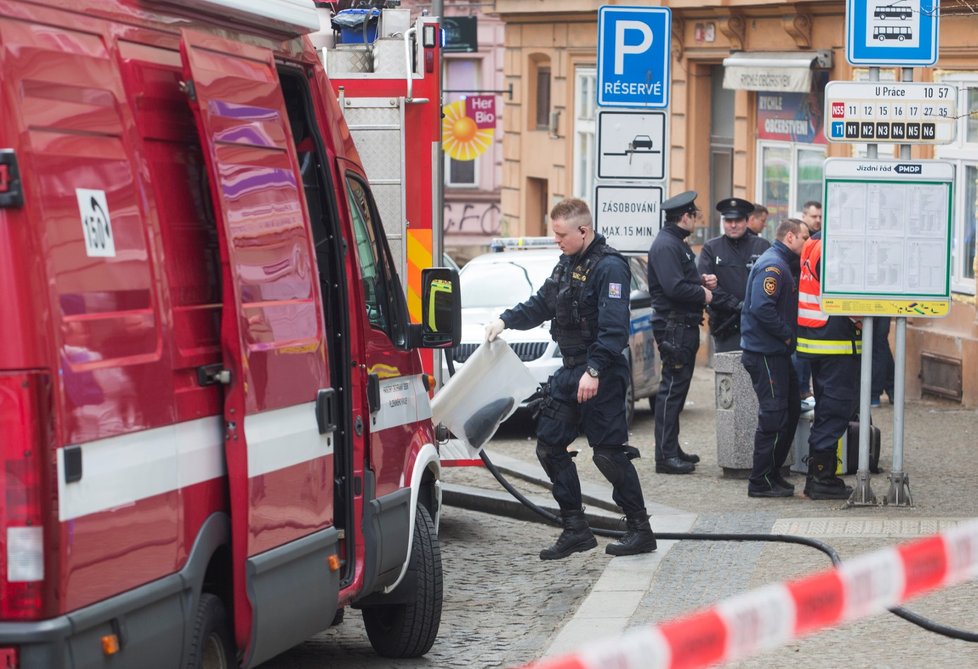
[211, 646]
[409, 629]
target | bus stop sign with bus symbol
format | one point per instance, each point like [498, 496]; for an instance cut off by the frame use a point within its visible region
[891, 32]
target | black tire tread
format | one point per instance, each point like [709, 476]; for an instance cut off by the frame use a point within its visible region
[409, 630]
[210, 616]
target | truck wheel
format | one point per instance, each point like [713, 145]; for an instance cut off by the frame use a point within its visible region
[409, 629]
[211, 646]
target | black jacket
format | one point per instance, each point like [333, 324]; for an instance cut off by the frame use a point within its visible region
[731, 260]
[605, 290]
[674, 282]
[769, 323]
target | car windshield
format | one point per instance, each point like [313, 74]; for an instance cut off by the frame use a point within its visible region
[503, 284]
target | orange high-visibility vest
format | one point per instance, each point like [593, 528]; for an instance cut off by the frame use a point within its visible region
[817, 335]
[810, 314]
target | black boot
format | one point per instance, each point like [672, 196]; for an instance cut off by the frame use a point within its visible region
[576, 537]
[688, 457]
[822, 483]
[638, 537]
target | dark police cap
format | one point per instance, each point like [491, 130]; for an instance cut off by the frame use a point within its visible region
[680, 204]
[734, 207]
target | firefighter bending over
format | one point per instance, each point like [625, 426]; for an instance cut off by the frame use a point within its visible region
[586, 297]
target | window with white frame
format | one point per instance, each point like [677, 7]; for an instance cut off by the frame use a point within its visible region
[789, 175]
[462, 74]
[964, 154]
[585, 158]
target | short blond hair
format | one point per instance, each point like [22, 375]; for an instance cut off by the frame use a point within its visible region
[573, 210]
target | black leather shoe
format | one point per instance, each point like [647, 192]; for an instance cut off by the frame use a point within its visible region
[773, 491]
[688, 457]
[781, 481]
[674, 466]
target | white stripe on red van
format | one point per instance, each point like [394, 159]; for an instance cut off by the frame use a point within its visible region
[121, 470]
[284, 437]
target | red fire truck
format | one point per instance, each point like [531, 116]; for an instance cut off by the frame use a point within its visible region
[215, 431]
[390, 95]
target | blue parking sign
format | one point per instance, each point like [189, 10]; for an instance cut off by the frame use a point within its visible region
[891, 32]
[633, 56]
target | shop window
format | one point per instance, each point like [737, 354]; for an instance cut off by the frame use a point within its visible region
[963, 153]
[789, 175]
[585, 158]
[790, 149]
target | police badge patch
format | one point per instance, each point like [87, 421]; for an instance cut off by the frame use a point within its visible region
[614, 290]
[770, 285]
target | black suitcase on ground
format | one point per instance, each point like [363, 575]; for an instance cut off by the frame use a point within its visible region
[849, 450]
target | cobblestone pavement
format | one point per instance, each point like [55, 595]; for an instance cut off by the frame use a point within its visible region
[502, 603]
[503, 606]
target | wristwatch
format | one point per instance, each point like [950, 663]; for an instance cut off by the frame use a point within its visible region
[592, 372]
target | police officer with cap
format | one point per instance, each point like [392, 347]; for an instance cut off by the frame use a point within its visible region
[586, 298]
[679, 294]
[730, 257]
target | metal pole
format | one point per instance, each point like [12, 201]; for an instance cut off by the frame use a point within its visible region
[862, 494]
[438, 215]
[899, 493]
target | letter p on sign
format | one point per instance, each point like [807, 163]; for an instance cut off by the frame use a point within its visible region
[622, 28]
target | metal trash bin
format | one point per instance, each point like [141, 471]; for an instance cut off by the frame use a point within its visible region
[736, 415]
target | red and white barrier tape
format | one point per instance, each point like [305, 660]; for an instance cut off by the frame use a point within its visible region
[771, 616]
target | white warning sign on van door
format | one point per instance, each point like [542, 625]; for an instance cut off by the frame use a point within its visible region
[96, 223]
[628, 216]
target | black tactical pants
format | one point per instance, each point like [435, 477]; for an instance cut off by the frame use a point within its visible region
[778, 407]
[678, 342]
[602, 419]
[835, 382]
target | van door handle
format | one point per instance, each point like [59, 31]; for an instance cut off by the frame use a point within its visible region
[326, 407]
[373, 393]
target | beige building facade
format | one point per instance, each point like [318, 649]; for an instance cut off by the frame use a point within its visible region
[726, 137]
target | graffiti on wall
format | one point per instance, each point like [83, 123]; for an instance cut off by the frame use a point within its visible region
[472, 218]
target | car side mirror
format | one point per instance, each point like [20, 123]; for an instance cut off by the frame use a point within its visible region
[640, 299]
[441, 308]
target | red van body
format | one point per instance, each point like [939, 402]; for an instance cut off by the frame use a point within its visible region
[214, 426]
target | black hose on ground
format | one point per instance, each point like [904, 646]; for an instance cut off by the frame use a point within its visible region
[909, 616]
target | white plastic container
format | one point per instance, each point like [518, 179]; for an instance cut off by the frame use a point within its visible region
[483, 393]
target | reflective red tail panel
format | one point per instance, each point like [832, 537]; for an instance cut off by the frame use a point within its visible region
[25, 431]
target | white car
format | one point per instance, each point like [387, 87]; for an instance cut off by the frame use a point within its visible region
[494, 282]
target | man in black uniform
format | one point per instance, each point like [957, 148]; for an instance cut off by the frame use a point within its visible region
[770, 330]
[730, 257]
[679, 294]
[586, 297]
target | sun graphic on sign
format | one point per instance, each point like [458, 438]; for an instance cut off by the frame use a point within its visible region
[461, 137]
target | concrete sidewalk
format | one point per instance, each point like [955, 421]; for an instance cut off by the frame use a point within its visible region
[684, 576]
